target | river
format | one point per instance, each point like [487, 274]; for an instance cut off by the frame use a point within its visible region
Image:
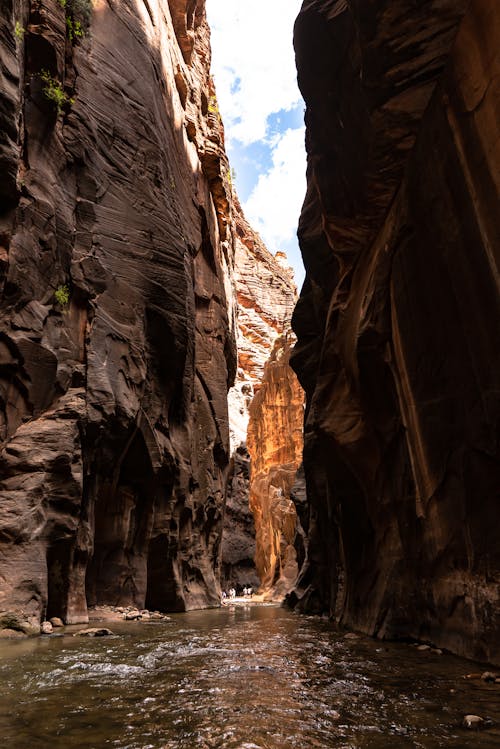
[255, 677]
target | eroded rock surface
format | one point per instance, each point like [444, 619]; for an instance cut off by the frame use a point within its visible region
[113, 410]
[275, 442]
[266, 296]
[398, 319]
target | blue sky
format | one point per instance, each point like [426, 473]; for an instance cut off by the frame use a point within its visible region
[254, 70]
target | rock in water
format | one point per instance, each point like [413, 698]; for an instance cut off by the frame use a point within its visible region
[474, 722]
[46, 628]
[94, 632]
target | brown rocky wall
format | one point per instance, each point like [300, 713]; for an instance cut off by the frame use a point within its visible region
[114, 440]
[398, 319]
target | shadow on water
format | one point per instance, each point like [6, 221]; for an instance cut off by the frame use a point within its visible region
[255, 677]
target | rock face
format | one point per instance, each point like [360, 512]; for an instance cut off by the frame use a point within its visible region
[266, 296]
[117, 341]
[275, 443]
[398, 319]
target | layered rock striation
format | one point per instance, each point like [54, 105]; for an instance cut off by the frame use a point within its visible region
[117, 342]
[399, 315]
[266, 295]
[275, 443]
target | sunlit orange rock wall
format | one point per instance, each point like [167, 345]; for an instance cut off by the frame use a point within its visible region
[398, 321]
[266, 296]
[114, 438]
[275, 442]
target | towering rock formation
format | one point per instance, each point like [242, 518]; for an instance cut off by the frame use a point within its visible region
[266, 296]
[275, 443]
[117, 341]
[398, 319]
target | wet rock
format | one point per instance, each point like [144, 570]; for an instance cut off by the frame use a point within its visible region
[13, 634]
[12, 621]
[132, 615]
[94, 632]
[473, 722]
[351, 636]
[423, 647]
[489, 676]
[56, 621]
[46, 628]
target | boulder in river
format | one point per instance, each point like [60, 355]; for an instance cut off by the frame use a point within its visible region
[56, 621]
[132, 615]
[94, 632]
[13, 621]
[46, 628]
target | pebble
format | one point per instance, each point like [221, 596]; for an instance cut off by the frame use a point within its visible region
[46, 628]
[423, 647]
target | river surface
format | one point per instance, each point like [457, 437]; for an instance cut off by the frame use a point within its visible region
[255, 677]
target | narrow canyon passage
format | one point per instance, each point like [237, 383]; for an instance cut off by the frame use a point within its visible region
[247, 678]
[178, 418]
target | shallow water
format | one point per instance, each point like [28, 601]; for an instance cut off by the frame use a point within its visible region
[257, 677]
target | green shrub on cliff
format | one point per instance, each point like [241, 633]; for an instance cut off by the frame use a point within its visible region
[53, 91]
[61, 295]
[19, 31]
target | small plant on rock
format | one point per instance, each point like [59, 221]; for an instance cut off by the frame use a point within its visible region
[75, 29]
[61, 295]
[54, 92]
[19, 31]
[78, 15]
[213, 107]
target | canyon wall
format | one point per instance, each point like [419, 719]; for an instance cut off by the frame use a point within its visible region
[275, 443]
[398, 319]
[117, 342]
[266, 296]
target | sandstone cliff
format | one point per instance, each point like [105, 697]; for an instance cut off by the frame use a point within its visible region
[117, 341]
[266, 296]
[275, 443]
[398, 319]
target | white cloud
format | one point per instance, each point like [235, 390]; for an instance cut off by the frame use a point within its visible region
[253, 62]
[275, 202]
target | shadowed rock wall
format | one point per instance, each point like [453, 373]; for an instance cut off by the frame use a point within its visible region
[398, 318]
[113, 410]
